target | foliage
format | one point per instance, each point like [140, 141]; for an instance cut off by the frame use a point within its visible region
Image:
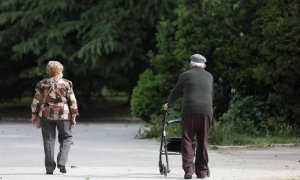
[275, 126]
[224, 134]
[146, 98]
[279, 44]
[252, 51]
[249, 116]
[220, 134]
[154, 128]
[245, 114]
[101, 43]
[154, 84]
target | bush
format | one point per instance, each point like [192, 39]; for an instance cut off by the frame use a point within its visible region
[155, 83]
[147, 98]
[249, 116]
[245, 114]
[218, 133]
[275, 126]
[272, 130]
[275, 133]
[154, 128]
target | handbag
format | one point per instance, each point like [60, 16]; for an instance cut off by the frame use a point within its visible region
[38, 120]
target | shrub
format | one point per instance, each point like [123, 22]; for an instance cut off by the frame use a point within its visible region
[245, 114]
[154, 128]
[148, 98]
[275, 126]
[250, 116]
[154, 84]
[219, 133]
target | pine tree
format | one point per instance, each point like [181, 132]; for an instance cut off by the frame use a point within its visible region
[101, 43]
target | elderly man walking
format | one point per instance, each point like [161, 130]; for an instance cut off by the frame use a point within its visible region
[195, 86]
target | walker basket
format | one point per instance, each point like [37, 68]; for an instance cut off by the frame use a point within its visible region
[174, 144]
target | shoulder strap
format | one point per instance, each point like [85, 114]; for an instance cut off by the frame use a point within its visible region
[52, 85]
[47, 94]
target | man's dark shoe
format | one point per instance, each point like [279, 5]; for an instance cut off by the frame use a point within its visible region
[63, 169]
[49, 173]
[188, 175]
[200, 177]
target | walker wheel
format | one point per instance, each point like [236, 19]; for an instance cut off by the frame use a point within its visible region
[165, 170]
[161, 168]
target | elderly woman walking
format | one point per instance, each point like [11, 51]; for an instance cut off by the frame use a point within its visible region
[55, 105]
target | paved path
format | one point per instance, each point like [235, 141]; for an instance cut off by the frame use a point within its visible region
[110, 151]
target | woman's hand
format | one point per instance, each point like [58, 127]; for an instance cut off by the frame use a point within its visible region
[73, 123]
[33, 118]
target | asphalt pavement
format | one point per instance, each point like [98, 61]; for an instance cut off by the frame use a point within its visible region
[111, 151]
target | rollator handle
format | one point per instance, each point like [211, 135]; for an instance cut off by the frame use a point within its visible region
[166, 113]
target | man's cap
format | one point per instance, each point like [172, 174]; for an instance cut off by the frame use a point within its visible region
[198, 58]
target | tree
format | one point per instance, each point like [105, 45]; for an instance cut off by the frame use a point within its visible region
[155, 82]
[252, 51]
[195, 28]
[278, 43]
[101, 43]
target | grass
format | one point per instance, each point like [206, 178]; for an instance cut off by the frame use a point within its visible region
[16, 108]
[271, 141]
[221, 135]
[226, 134]
[236, 139]
[25, 101]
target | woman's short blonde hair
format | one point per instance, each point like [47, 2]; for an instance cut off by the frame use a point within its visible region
[54, 68]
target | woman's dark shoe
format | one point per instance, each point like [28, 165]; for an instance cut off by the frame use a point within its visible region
[63, 169]
[49, 173]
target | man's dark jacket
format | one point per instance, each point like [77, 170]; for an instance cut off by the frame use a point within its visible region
[196, 88]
